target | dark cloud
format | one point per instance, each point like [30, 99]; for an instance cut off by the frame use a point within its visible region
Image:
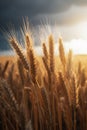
[12, 10]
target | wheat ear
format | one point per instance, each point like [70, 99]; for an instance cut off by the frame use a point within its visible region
[45, 51]
[21, 71]
[48, 72]
[51, 53]
[69, 64]
[10, 75]
[5, 68]
[10, 93]
[27, 103]
[19, 52]
[46, 104]
[62, 53]
[33, 65]
[28, 43]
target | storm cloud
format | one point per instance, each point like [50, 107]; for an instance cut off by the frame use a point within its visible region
[64, 12]
[12, 10]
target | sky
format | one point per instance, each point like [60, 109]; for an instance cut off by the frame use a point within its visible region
[70, 17]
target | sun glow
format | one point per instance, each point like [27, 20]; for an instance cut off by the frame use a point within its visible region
[78, 46]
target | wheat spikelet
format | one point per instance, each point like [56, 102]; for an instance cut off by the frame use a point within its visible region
[33, 67]
[27, 36]
[21, 71]
[11, 95]
[69, 64]
[83, 77]
[48, 72]
[6, 107]
[27, 103]
[5, 68]
[28, 42]
[61, 52]
[46, 104]
[79, 68]
[10, 75]
[26, 32]
[46, 65]
[19, 52]
[45, 51]
[51, 53]
[5, 104]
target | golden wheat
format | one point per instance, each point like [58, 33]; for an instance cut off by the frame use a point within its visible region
[35, 96]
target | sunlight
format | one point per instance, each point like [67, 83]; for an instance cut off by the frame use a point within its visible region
[78, 46]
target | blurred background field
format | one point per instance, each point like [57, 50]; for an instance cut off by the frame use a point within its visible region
[75, 60]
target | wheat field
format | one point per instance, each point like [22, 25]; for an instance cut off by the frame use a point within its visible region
[45, 92]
